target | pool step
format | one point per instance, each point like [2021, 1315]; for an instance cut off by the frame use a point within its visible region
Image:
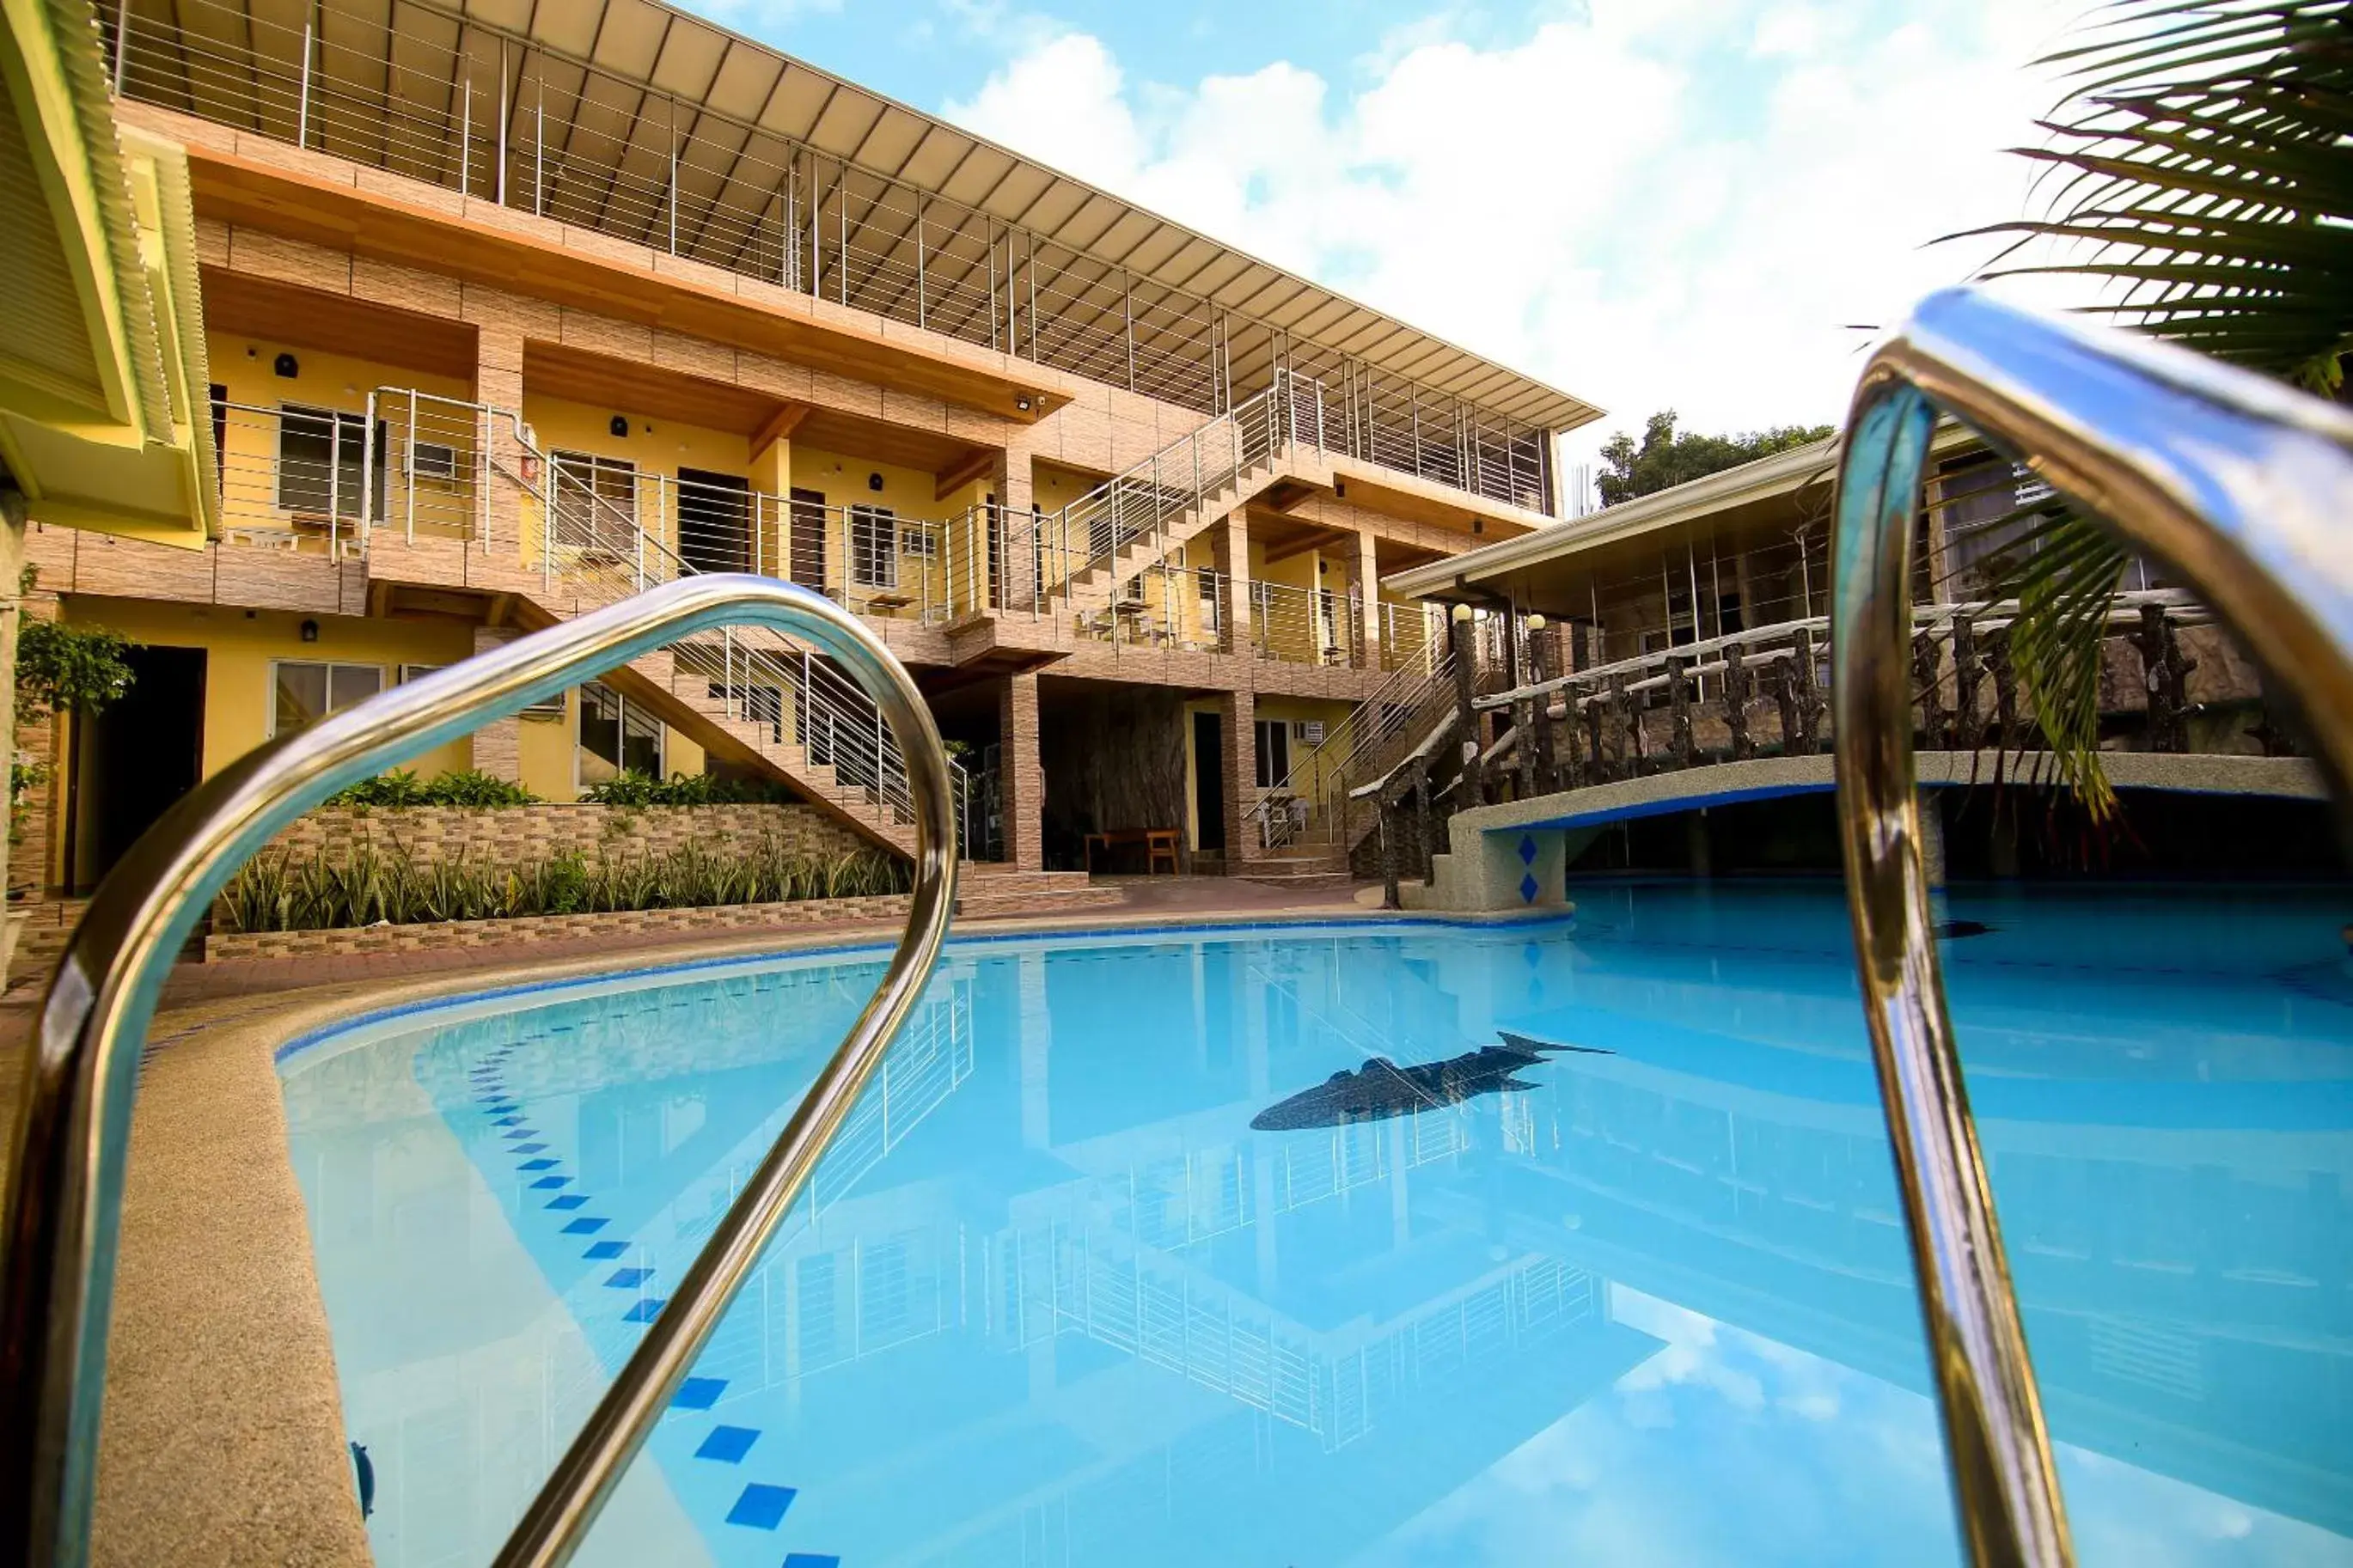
[1298, 872]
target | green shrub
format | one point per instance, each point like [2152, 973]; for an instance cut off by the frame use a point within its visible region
[635, 788]
[360, 885]
[467, 787]
[78, 669]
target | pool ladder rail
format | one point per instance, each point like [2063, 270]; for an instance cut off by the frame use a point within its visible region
[65, 1179]
[2242, 486]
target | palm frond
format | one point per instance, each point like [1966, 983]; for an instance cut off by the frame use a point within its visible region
[2200, 166]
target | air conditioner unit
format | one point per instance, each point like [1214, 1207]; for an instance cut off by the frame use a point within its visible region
[1309, 732]
[433, 461]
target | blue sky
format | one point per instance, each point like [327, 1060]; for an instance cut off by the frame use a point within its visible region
[1649, 202]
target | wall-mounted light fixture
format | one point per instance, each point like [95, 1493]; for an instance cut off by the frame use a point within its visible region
[619, 428]
[1022, 403]
[310, 631]
[287, 365]
[873, 481]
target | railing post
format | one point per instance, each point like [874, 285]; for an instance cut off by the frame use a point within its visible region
[501, 185]
[302, 114]
[122, 43]
[539, 154]
[408, 467]
[922, 313]
[367, 468]
[466, 144]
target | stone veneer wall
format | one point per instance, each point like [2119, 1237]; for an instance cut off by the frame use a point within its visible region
[520, 834]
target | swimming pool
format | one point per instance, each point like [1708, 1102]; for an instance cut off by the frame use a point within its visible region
[1054, 1301]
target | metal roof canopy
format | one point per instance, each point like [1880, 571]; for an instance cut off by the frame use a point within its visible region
[631, 87]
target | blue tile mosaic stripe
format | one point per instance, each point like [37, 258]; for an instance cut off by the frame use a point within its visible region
[604, 1251]
[728, 1445]
[762, 1506]
[699, 1393]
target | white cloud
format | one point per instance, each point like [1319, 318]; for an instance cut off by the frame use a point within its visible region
[1658, 203]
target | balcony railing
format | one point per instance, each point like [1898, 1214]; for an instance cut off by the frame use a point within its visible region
[514, 124]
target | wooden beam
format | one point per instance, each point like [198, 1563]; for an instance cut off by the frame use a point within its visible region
[780, 427]
[980, 465]
[1313, 539]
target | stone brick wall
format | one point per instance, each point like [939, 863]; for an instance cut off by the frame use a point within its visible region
[516, 835]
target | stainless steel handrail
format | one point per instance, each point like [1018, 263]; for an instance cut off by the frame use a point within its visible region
[65, 1180]
[2243, 487]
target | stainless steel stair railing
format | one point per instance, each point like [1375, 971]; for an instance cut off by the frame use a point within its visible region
[65, 1177]
[2242, 486]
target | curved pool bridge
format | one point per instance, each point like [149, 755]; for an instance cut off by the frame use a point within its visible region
[2238, 483]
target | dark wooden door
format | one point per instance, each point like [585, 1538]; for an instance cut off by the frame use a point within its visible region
[809, 538]
[1209, 781]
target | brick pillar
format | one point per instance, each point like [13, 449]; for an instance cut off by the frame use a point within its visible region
[1023, 782]
[1364, 578]
[1229, 551]
[1009, 482]
[497, 745]
[497, 381]
[1238, 747]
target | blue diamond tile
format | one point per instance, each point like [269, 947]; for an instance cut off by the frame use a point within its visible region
[645, 1311]
[699, 1393]
[569, 1200]
[585, 1227]
[728, 1445]
[548, 1184]
[628, 1279]
[604, 1251]
[1528, 889]
[1528, 850]
[542, 1163]
[527, 1149]
[811, 1560]
[762, 1506]
[514, 1122]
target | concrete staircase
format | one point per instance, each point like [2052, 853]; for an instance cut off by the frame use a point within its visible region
[1140, 516]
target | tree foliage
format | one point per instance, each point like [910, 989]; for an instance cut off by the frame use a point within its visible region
[2199, 166]
[1668, 457]
[78, 670]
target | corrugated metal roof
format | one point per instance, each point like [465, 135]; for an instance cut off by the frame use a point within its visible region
[664, 77]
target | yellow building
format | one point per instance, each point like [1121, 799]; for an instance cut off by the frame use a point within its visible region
[482, 349]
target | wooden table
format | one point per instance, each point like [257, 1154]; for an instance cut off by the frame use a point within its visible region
[1159, 843]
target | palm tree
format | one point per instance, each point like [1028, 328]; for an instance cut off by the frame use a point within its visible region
[2201, 169]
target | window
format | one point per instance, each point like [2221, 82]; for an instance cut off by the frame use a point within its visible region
[616, 736]
[310, 689]
[920, 541]
[1274, 752]
[1212, 601]
[873, 547]
[321, 455]
[596, 502]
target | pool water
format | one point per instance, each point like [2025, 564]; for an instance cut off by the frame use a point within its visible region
[1054, 1301]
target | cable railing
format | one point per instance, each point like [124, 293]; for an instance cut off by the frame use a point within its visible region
[1291, 624]
[1309, 804]
[66, 1169]
[1137, 516]
[292, 478]
[594, 535]
[540, 133]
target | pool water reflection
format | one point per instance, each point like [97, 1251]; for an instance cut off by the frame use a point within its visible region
[1055, 1302]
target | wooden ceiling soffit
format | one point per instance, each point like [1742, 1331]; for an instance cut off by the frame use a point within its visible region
[387, 227]
[979, 466]
[631, 387]
[241, 305]
[1304, 540]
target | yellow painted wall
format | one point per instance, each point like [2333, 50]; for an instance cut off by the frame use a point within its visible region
[1306, 781]
[243, 367]
[659, 446]
[240, 692]
[846, 481]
